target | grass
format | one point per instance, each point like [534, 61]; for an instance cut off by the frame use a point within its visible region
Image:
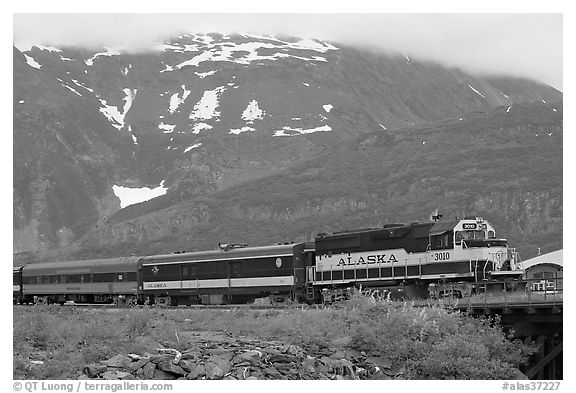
[413, 338]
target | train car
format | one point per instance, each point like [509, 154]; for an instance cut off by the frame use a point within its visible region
[230, 274]
[17, 284]
[83, 281]
[406, 259]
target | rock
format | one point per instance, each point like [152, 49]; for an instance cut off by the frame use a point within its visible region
[169, 367]
[273, 372]
[159, 374]
[187, 365]
[93, 370]
[308, 364]
[348, 354]
[138, 364]
[379, 375]
[159, 358]
[380, 361]
[252, 357]
[213, 371]
[292, 350]
[117, 361]
[282, 358]
[140, 373]
[322, 368]
[148, 370]
[223, 362]
[110, 375]
[192, 354]
[37, 355]
[124, 375]
[198, 372]
[221, 352]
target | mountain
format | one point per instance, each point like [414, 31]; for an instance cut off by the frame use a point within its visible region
[504, 165]
[253, 136]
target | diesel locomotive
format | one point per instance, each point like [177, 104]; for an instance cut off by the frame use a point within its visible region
[436, 259]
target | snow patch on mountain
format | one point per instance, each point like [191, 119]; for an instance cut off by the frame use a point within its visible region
[194, 146]
[112, 113]
[252, 112]
[206, 108]
[328, 107]
[130, 196]
[109, 52]
[300, 131]
[80, 84]
[48, 48]
[200, 126]
[31, 62]
[134, 139]
[245, 52]
[238, 131]
[167, 128]
[203, 75]
[126, 69]
[476, 91]
[176, 101]
[68, 87]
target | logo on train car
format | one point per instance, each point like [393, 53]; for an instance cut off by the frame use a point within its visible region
[469, 225]
[150, 285]
[278, 262]
[369, 260]
[155, 270]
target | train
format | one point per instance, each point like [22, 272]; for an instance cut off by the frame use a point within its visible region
[431, 259]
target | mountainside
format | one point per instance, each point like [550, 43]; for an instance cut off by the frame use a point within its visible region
[224, 124]
[505, 166]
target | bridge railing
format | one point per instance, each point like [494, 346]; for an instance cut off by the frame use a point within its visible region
[507, 293]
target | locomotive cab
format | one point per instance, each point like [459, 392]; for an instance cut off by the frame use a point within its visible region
[476, 238]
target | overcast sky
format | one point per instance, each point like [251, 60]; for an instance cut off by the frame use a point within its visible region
[520, 44]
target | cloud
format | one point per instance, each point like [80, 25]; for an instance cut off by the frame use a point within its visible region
[526, 45]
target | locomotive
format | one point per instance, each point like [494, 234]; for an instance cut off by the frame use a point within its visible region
[432, 259]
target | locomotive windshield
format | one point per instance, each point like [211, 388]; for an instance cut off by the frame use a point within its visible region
[470, 235]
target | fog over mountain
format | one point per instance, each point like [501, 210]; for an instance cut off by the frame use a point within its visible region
[523, 45]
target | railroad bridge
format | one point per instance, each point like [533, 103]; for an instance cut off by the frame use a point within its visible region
[534, 316]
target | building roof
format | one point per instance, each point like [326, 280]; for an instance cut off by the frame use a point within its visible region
[554, 258]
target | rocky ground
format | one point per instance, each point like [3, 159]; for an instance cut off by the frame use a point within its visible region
[222, 356]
